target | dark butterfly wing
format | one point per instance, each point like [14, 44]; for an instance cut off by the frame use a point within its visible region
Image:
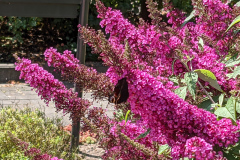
[113, 98]
[120, 92]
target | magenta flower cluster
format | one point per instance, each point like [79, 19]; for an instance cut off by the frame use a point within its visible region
[123, 150]
[143, 41]
[51, 89]
[198, 148]
[73, 71]
[173, 120]
[151, 50]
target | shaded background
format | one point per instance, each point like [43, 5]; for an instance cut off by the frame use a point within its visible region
[29, 37]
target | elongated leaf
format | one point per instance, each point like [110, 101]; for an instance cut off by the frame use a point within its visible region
[205, 74]
[182, 92]
[232, 61]
[235, 73]
[236, 150]
[225, 113]
[208, 76]
[126, 117]
[236, 20]
[174, 80]
[191, 80]
[231, 106]
[228, 111]
[163, 148]
[192, 14]
[207, 103]
[233, 57]
[229, 156]
[144, 134]
[238, 106]
[221, 99]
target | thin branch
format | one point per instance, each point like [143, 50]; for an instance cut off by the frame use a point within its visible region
[206, 93]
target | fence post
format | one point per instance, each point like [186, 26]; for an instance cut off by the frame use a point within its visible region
[81, 54]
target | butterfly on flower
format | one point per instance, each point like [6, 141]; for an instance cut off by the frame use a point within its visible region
[120, 94]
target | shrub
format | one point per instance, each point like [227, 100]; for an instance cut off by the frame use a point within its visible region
[182, 82]
[38, 133]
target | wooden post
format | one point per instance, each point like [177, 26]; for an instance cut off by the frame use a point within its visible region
[81, 54]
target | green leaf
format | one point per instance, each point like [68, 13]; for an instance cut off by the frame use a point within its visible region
[235, 73]
[191, 80]
[236, 150]
[144, 134]
[229, 156]
[221, 99]
[238, 106]
[232, 61]
[163, 148]
[126, 117]
[208, 76]
[214, 105]
[224, 113]
[207, 103]
[182, 92]
[175, 2]
[192, 14]
[231, 105]
[174, 79]
[235, 32]
[236, 20]
[228, 111]
[173, 62]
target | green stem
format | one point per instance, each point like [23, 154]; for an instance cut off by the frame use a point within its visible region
[206, 93]
[198, 81]
[235, 108]
[200, 84]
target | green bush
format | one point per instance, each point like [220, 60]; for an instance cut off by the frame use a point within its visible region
[37, 130]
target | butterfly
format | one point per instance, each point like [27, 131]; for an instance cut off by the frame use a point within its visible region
[120, 94]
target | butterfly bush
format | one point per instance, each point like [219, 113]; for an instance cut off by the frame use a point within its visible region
[198, 148]
[111, 140]
[147, 55]
[173, 120]
[122, 149]
[73, 71]
[142, 52]
[150, 50]
[51, 89]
